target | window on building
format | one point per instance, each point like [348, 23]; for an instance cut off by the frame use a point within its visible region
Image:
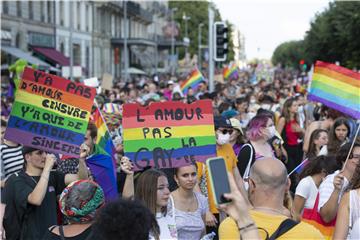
[17, 40]
[77, 54]
[42, 14]
[87, 58]
[31, 10]
[87, 17]
[78, 11]
[5, 6]
[49, 11]
[18, 8]
[61, 12]
[62, 48]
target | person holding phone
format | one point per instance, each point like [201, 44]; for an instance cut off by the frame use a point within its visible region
[223, 130]
[190, 206]
[268, 183]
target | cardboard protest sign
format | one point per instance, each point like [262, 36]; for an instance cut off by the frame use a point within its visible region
[50, 113]
[107, 81]
[168, 134]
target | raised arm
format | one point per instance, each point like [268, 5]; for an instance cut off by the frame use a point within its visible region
[126, 166]
[82, 168]
[37, 195]
[329, 210]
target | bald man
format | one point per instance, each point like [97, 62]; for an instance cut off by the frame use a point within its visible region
[268, 183]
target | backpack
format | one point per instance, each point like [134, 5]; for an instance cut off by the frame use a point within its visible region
[14, 220]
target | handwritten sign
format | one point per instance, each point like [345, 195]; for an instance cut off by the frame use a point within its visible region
[50, 113]
[168, 134]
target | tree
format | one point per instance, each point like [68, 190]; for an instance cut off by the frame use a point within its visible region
[333, 37]
[198, 13]
[288, 54]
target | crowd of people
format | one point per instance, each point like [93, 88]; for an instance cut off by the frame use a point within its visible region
[264, 131]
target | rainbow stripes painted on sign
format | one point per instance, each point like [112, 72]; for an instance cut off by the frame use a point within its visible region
[230, 72]
[50, 113]
[336, 87]
[193, 81]
[168, 134]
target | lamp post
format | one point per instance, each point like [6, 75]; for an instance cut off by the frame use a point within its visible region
[172, 41]
[126, 57]
[186, 19]
[199, 47]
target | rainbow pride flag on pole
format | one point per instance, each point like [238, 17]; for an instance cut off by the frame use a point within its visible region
[336, 87]
[193, 81]
[103, 140]
[230, 71]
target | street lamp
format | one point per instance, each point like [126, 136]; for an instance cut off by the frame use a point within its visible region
[186, 19]
[172, 41]
[199, 47]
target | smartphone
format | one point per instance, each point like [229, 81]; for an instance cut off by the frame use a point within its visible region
[218, 179]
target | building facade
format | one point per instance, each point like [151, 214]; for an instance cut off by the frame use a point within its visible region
[93, 30]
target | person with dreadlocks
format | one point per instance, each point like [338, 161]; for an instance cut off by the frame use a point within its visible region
[78, 202]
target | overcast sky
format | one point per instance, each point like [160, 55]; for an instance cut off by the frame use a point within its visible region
[267, 23]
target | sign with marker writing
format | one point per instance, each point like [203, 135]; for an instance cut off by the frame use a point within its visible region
[50, 113]
[168, 134]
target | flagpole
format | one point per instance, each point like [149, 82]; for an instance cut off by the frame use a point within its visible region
[352, 145]
[298, 166]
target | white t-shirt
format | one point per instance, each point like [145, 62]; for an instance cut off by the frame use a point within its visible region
[308, 190]
[167, 223]
[354, 216]
[327, 187]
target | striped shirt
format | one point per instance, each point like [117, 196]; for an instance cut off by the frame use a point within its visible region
[327, 187]
[11, 159]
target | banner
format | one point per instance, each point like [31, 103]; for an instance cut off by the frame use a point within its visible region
[336, 87]
[50, 113]
[168, 134]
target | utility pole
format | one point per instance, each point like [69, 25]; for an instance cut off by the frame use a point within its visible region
[199, 45]
[172, 42]
[211, 50]
[126, 55]
[71, 40]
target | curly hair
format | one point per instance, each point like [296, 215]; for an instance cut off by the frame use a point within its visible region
[124, 219]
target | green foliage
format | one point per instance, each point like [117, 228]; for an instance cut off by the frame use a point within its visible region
[288, 54]
[333, 36]
[198, 13]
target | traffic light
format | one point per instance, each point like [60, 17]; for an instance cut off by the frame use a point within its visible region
[303, 65]
[221, 41]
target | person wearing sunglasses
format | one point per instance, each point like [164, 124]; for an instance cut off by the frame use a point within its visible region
[223, 131]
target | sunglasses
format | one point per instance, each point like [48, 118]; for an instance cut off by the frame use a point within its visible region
[226, 131]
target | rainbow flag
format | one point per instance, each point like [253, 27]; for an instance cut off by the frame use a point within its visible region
[230, 72]
[193, 81]
[103, 140]
[168, 134]
[336, 87]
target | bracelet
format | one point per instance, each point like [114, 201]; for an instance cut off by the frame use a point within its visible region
[247, 226]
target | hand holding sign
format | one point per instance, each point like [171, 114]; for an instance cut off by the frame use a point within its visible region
[126, 166]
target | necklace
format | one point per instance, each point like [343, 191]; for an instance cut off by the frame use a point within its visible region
[270, 209]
